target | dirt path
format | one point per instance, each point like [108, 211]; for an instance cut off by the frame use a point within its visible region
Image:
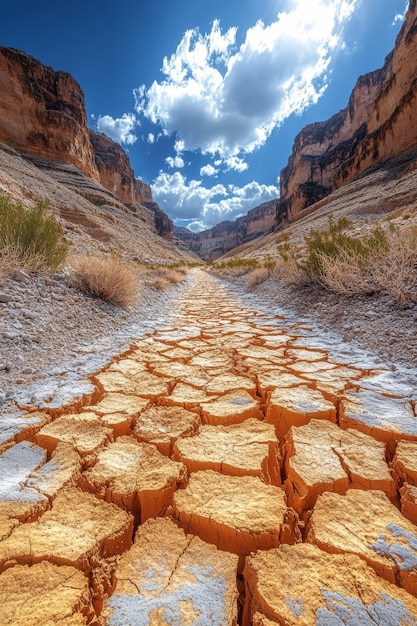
[226, 469]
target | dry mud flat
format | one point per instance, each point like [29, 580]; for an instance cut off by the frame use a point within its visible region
[222, 471]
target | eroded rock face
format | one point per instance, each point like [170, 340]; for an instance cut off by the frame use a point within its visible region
[42, 112]
[301, 584]
[168, 577]
[212, 243]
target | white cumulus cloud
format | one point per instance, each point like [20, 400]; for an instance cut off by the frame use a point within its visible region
[208, 170]
[190, 202]
[119, 129]
[176, 161]
[223, 98]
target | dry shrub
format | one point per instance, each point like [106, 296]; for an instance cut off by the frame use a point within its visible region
[9, 261]
[345, 274]
[391, 269]
[290, 272]
[163, 277]
[34, 235]
[160, 283]
[258, 276]
[108, 278]
[173, 276]
[394, 270]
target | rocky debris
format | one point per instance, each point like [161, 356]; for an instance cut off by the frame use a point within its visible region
[301, 584]
[367, 524]
[246, 449]
[295, 406]
[321, 457]
[239, 514]
[179, 580]
[136, 477]
[45, 594]
[162, 425]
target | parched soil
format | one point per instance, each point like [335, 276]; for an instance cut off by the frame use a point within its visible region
[232, 466]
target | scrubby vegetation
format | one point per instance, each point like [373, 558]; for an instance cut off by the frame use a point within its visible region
[162, 277]
[109, 278]
[382, 261]
[30, 238]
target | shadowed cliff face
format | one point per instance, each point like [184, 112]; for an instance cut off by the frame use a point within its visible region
[42, 114]
[379, 123]
[213, 243]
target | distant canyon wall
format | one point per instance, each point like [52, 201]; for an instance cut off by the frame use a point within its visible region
[213, 243]
[42, 113]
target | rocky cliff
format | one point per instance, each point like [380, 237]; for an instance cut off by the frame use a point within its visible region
[42, 114]
[213, 243]
[379, 123]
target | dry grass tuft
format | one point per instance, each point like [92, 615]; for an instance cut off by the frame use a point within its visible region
[163, 277]
[107, 278]
[258, 276]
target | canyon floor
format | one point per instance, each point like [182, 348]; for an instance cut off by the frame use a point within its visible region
[210, 457]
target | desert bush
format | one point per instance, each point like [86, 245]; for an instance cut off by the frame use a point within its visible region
[258, 276]
[163, 277]
[338, 244]
[32, 237]
[394, 268]
[109, 278]
[383, 261]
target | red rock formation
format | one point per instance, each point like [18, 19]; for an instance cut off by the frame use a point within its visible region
[42, 112]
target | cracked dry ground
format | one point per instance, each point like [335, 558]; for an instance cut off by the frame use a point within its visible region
[221, 472]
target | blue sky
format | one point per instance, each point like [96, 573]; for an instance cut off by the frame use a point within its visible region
[207, 97]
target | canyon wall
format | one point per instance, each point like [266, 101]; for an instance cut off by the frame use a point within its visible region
[212, 243]
[380, 122]
[42, 114]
